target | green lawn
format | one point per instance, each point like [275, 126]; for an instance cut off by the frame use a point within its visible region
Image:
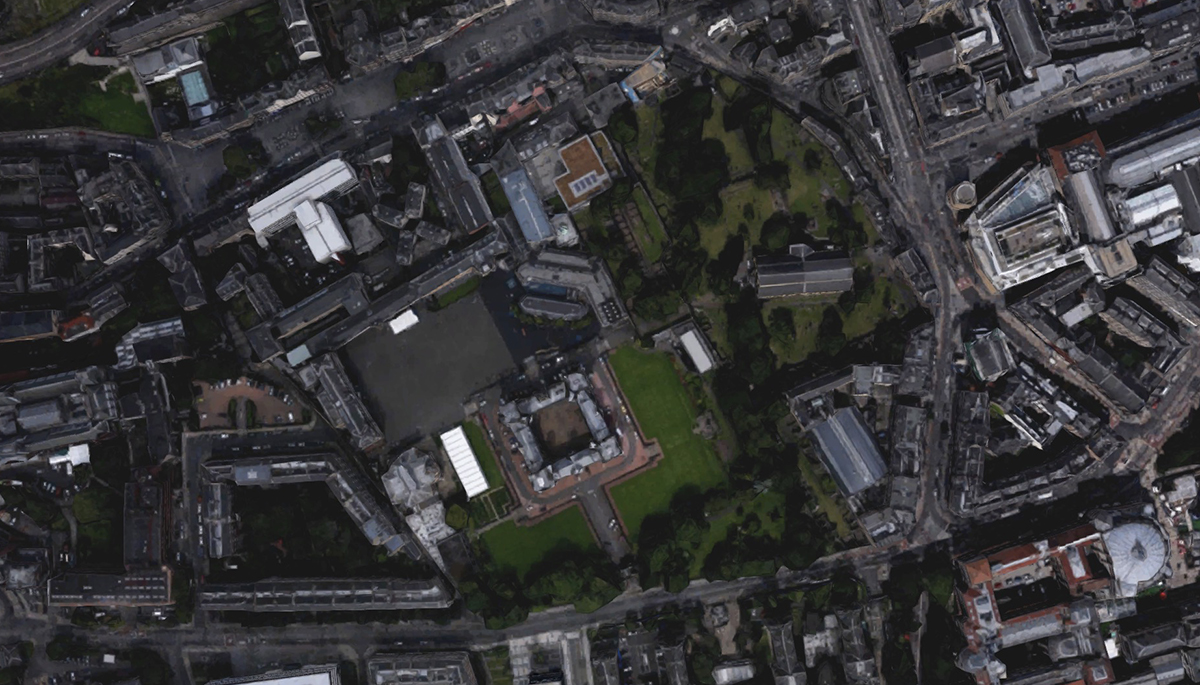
[665, 412]
[740, 160]
[789, 142]
[115, 111]
[645, 150]
[458, 292]
[735, 198]
[866, 316]
[98, 512]
[808, 320]
[71, 96]
[521, 548]
[825, 501]
[764, 505]
[483, 450]
[729, 88]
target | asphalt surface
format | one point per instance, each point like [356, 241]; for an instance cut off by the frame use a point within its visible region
[58, 42]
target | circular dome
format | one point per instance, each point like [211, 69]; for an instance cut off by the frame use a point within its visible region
[1138, 552]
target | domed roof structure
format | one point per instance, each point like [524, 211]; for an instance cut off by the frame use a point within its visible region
[1139, 554]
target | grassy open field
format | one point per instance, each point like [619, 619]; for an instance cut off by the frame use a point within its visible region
[742, 203]
[745, 203]
[645, 151]
[666, 413]
[764, 505]
[808, 319]
[72, 96]
[520, 548]
[863, 319]
[98, 512]
[789, 142]
[740, 161]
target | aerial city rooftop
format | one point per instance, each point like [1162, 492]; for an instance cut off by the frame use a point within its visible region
[600, 342]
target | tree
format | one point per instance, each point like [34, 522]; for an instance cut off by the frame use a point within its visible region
[812, 160]
[723, 269]
[456, 517]
[773, 175]
[623, 126]
[782, 324]
[237, 162]
[830, 338]
[776, 232]
[418, 78]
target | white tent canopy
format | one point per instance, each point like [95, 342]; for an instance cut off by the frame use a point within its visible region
[464, 461]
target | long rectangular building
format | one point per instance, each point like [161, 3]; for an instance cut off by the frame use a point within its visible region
[301, 202]
[333, 594]
[848, 450]
[139, 589]
[465, 462]
[811, 276]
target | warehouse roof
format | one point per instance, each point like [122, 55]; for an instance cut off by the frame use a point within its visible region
[848, 450]
[1145, 163]
[464, 461]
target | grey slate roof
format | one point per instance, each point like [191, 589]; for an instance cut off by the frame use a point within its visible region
[815, 274]
[849, 451]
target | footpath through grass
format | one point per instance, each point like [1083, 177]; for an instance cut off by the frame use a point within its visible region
[521, 548]
[666, 412]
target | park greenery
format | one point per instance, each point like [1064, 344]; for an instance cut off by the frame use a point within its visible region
[553, 563]
[1183, 448]
[492, 504]
[418, 78]
[458, 292]
[248, 51]
[719, 164]
[72, 96]
[97, 511]
[243, 158]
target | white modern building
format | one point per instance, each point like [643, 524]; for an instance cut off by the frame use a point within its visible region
[464, 461]
[300, 202]
[696, 351]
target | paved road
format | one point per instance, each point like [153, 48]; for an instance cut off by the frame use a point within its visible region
[421, 634]
[57, 42]
[917, 201]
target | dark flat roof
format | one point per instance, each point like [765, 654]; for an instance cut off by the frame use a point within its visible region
[792, 276]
